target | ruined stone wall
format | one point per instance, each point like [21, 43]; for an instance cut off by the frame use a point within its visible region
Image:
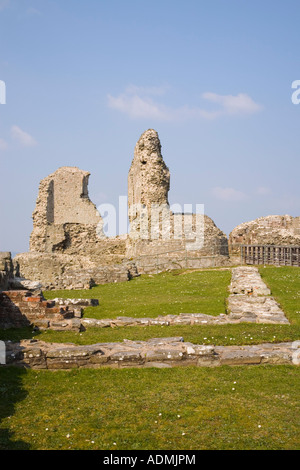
[68, 248]
[156, 352]
[61, 271]
[149, 177]
[154, 228]
[66, 221]
[20, 308]
[6, 270]
[282, 230]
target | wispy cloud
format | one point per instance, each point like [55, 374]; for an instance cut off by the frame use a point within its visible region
[22, 137]
[263, 191]
[147, 90]
[228, 194]
[229, 104]
[139, 102]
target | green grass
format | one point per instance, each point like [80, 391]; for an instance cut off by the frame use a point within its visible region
[284, 283]
[160, 294]
[132, 409]
[202, 292]
[156, 409]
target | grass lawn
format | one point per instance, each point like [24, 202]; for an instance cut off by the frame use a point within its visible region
[195, 292]
[156, 409]
[254, 407]
[159, 294]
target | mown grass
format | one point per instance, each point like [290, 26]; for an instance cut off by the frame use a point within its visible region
[160, 294]
[254, 407]
[284, 283]
[203, 292]
[156, 409]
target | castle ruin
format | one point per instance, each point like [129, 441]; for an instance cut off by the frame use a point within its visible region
[68, 248]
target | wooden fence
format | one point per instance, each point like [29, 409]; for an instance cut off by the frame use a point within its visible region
[270, 254]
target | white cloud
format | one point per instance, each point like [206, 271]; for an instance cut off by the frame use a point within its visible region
[138, 102]
[263, 191]
[3, 145]
[138, 107]
[22, 137]
[227, 194]
[147, 91]
[239, 104]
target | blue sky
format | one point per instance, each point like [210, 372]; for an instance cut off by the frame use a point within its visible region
[84, 79]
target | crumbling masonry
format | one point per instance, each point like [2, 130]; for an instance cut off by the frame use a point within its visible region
[68, 248]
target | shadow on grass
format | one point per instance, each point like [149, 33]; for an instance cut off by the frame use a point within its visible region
[12, 390]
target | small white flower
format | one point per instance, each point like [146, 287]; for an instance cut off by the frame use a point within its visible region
[233, 389]
[178, 416]
[259, 426]
[183, 434]
[67, 436]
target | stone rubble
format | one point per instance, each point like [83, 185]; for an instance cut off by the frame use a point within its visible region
[250, 298]
[247, 280]
[6, 270]
[271, 230]
[68, 246]
[21, 308]
[157, 352]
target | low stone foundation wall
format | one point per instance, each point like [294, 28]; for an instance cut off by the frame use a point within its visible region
[61, 271]
[158, 352]
[152, 264]
[250, 299]
[19, 309]
[247, 280]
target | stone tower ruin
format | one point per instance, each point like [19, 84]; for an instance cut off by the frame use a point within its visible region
[154, 228]
[68, 248]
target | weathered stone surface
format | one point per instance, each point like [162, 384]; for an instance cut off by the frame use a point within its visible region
[149, 177]
[6, 270]
[247, 280]
[159, 352]
[271, 230]
[69, 250]
[250, 299]
[259, 309]
[21, 283]
[155, 229]
[19, 308]
[63, 199]
[62, 271]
